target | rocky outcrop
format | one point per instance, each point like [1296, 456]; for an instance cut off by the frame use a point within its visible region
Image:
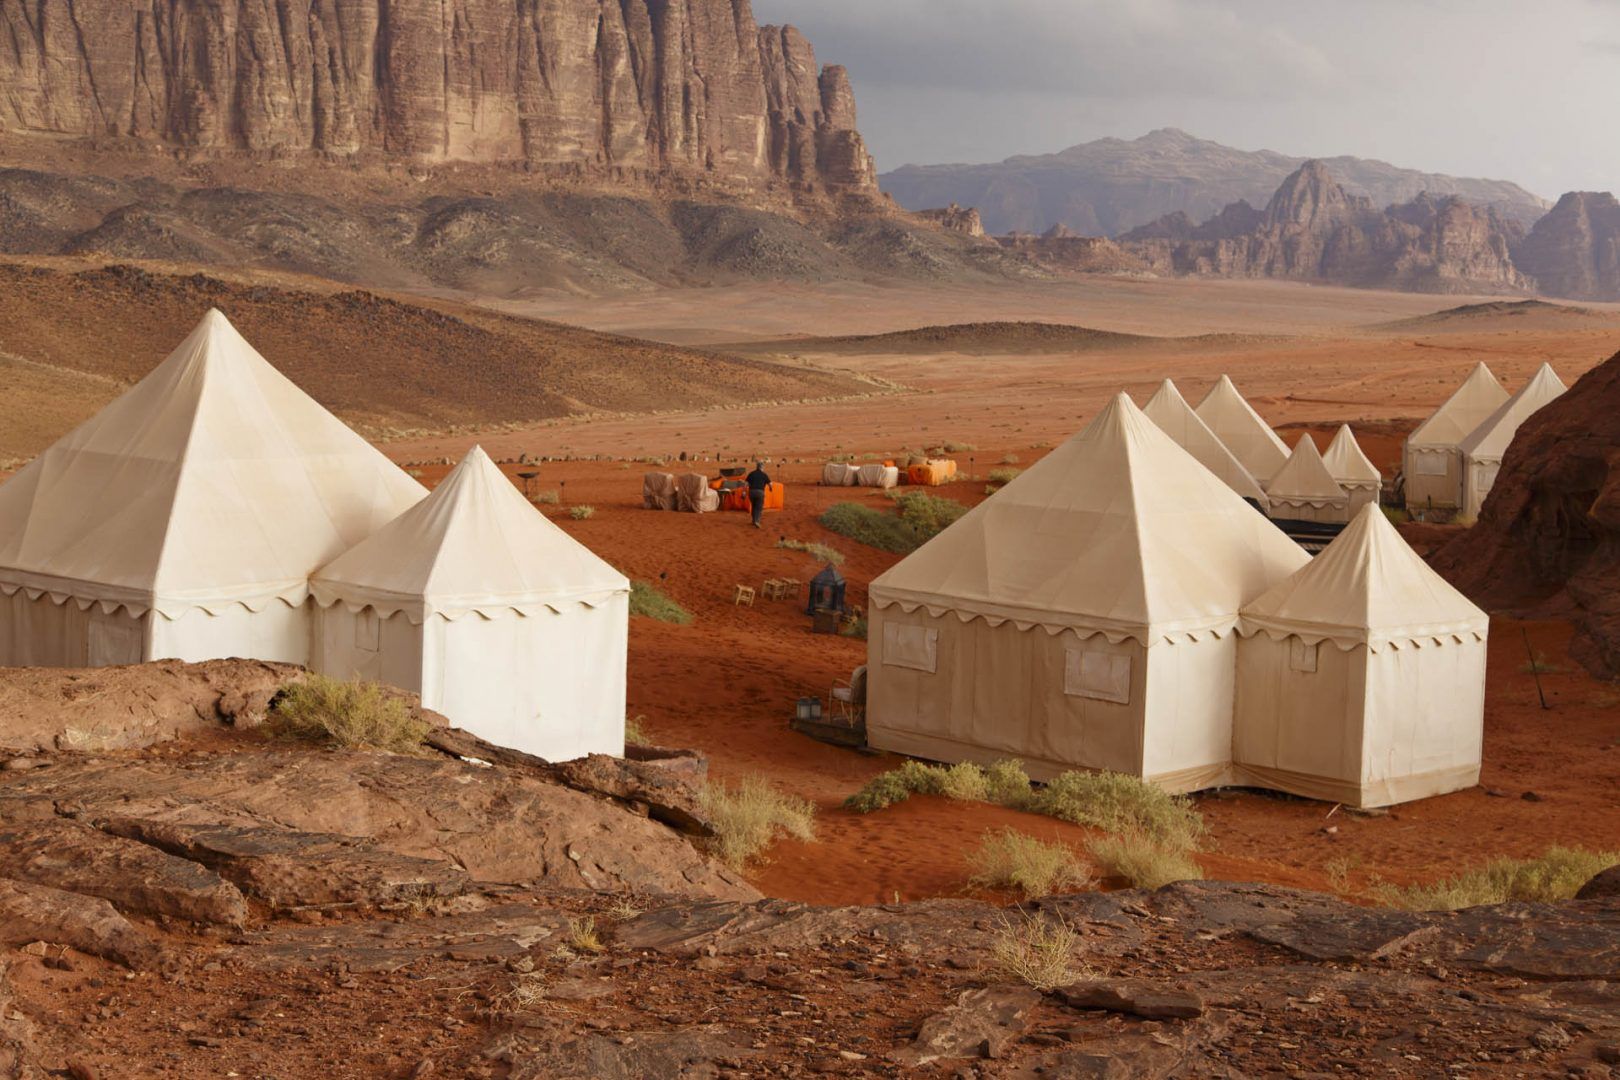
[954, 218]
[685, 87]
[1574, 251]
[1549, 531]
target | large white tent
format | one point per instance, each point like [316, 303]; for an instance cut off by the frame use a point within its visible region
[1083, 616]
[1304, 489]
[1484, 447]
[499, 619]
[1433, 465]
[1250, 438]
[184, 519]
[1170, 411]
[1361, 679]
[1352, 469]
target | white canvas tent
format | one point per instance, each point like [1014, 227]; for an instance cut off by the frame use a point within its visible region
[184, 519]
[1352, 469]
[1082, 617]
[1250, 438]
[1361, 679]
[1170, 411]
[1304, 489]
[1484, 447]
[1432, 466]
[498, 618]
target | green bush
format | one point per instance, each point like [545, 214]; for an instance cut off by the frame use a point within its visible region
[547, 498]
[1010, 859]
[747, 819]
[1002, 477]
[648, 601]
[349, 715]
[1556, 875]
[1117, 803]
[1142, 860]
[581, 513]
[919, 517]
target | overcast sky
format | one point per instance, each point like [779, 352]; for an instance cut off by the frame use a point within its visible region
[1522, 90]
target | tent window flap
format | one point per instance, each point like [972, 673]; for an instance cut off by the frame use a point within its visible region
[1101, 676]
[913, 647]
[1302, 656]
[368, 630]
[1430, 464]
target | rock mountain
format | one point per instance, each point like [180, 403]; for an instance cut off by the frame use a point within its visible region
[1111, 186]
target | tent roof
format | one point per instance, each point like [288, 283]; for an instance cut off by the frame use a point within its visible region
[1170, 411]
[474, 545]
[1368, 587]
[1490, 440]
[1346, 463]
[1305, 478]
[1467, 407]
[213, 481]
[1117, 531]
[1249, 437]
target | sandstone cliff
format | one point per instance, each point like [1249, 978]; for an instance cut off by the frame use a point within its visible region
[1575, 250]
[687, 87]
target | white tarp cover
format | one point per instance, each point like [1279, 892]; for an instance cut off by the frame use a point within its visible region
[213, 483]
[1170, 411]
[839, 474]
[1353, 470]
[498, 618]
[1249, 437]
[1305, 490]
[1484, 447]
[1361, 679]
[1432, 464]
[878, 476]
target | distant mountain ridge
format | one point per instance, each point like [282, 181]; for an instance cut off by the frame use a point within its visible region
[1110, 186]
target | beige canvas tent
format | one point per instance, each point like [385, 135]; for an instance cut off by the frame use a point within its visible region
[1250, 438]
[184, 519]
[1482, 450]
[1083, 616]
[1170, 411]
[1361, 679]
[1304, 489]
[1432, 465]
[498, 618]
[1353, 470]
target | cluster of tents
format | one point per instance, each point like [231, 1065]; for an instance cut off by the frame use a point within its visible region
[1121, 606]
[216, 510]
[1231, 440]
[1452, 458]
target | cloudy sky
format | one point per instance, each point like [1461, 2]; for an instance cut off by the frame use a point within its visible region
[1522, 90]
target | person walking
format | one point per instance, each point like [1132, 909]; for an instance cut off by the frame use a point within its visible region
[758, 481]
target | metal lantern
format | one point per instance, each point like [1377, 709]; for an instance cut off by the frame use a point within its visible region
[809, 709]
[827, 591]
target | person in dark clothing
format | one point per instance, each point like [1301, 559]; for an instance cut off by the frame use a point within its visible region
[758, 481]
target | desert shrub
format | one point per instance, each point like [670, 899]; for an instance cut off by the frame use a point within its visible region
[635, 732]
[1001, 477]
[583, 936]
[1117, 803]
[1011, 459]
[350, 715]
[855, 628]
[819, 552]
[874, 528]
[1007, 784]
[581, 513]
[950, 446]
[1038, 951]
[928, 515]
[547, 498]
[1142, 860]
[1556, 875]
[748, 818]
[1397, 515]
[646, 600]
[1010, 859]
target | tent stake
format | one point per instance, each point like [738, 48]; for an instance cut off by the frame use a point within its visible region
[1535, 668]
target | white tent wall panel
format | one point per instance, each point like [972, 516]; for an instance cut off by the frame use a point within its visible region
[39, 632]
[1187, 725]
[1433, 477]
[1360, 495]
[361, 645]
[1425, 721]
[1479, 476]
[278, 632]
[1335, 512]
[1300, 731]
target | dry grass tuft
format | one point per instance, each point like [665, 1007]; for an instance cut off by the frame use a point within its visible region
[1041, 952]
[749, 818]
[582, 935]
[1117, 803]
[547, 498]
[819, 552]
[348, 715]
[646, 600]
[1142, 860]
[1556, 875]
[1010, 859]
[581, 513]
[635, 732]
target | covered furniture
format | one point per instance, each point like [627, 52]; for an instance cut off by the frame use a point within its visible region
[878, 476]
[694, 496]
[1235, 423]
[1304, 489]
[658, 491]
[1432, 465]
[1484, 447]
[499, 619]
[184, 519]
[839, 474]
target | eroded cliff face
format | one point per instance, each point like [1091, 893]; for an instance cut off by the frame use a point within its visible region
[1575, 250]
[693, 87]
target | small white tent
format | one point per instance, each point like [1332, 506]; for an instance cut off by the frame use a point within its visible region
[1083, 617]
[184, 519]
[1433, 465]
[1236, 424]
[499, 619]
[1484, 447]
[1353, 470]
[1361, 679]
[1170, 411]
[1304, 490]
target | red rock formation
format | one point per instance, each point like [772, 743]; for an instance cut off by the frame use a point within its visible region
[1550, 528]
[1574, 251]
[694, 87]
[957, 219]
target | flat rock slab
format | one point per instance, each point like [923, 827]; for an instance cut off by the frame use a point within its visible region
[1137, 997]
[136, 877]
[980, 1025]
[369, 947]
[1355, 934]
[286, 868]
[724, 928]
[680, 1054]
[1540, 941]
[1603, 885]
[89, 924]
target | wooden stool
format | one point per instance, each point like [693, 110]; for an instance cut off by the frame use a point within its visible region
[743, 595]
[778, 589]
